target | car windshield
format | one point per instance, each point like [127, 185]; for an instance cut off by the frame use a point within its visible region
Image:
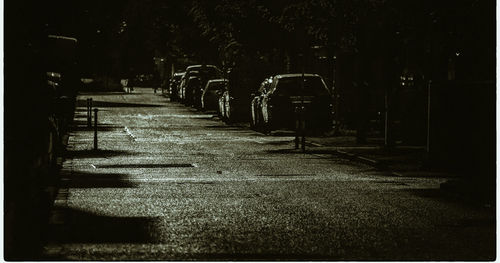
[292, 86]
[211, 72]
[61, 54]
[216, 86]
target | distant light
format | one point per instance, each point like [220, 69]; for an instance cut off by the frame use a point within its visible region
[98, 31]
[458, 54]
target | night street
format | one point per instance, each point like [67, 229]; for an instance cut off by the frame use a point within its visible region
[172, 183]
[249, 130]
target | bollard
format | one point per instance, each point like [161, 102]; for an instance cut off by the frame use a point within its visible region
[303, 128]
[88, 112]
[297, 127]
[89, 121]
[95, 128]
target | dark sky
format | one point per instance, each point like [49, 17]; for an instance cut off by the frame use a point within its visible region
[96, 24]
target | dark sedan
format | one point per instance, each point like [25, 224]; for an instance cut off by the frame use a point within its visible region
[211, 93]
[288, 91]
[191, 95]
[173, 85]
[256, 104]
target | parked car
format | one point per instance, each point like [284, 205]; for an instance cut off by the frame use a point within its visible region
[210, 96]
[277, 104]
[191, 84]
[173, 84]
[205, 72]
[184, 88]
[255, 105]
[221, 111]
[204, 77]
[237, 99]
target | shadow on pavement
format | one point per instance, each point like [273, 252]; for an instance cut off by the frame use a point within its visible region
[90, 153]
[286, 142]
[225, 127]
[80, 114]
[85, 227]
[281, 133]
[105, 93]
[80, 122]
[83, 127]
[474, 199]
[147, 165]
[291, 150]
[83, 103]
[95, 180]
[255, 257]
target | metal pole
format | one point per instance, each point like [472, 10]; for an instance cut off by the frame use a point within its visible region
[297, 127]
[386, 122]
[302, 119]
[88, 112]
[429, 116]
[303, 127]
[91, 102]
[335, 98]
[95, 128]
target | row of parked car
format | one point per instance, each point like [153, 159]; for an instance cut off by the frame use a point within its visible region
[272, 105]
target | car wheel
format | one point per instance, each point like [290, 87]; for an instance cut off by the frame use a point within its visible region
[266, 121]
[229, 117]
[219, 111]
[253, 120]
[222, 108]
[258, 120]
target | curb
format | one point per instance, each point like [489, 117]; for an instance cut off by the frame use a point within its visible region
[362, 159]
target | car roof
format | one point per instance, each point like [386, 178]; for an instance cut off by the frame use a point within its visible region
[217, 80]
[199, 66]
[179, 74]
[295, 75]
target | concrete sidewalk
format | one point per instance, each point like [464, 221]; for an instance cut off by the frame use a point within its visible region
[401, 161]
[404, 161]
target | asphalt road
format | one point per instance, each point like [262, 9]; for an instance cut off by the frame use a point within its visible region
[172, 183]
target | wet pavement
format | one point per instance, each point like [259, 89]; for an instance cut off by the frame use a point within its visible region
[171, 183]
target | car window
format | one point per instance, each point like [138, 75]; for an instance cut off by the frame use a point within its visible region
[209, 72]
[262, 87]
[267, 87]
[292, 86]
[216, 86]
